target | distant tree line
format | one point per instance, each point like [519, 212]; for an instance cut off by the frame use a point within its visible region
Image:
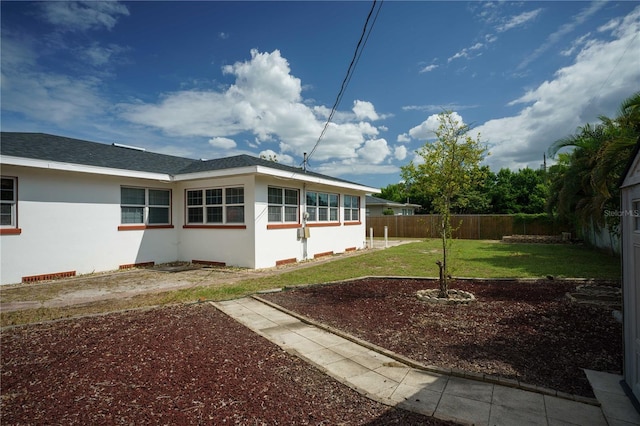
[580, 188]
[505, 192]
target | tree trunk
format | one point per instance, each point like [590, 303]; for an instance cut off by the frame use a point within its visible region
[443, 294]
[444, 285]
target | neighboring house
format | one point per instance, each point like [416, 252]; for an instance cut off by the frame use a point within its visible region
[75, 207]
[630, 220]
[376, 206]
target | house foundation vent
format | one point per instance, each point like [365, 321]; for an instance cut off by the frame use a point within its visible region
[48, 277]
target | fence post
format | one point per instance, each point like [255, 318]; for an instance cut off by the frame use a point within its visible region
[371, 237]
[386, 234]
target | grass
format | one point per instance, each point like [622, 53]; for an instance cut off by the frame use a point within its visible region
[469, 258]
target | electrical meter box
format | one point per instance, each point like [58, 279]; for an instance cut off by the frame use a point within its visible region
[303, 233]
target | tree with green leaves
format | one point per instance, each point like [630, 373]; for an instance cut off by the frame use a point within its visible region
[450, 165]
[584, 185]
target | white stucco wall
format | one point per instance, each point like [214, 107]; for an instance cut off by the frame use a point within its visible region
[234, 247]
[273, 245]
[69, 222]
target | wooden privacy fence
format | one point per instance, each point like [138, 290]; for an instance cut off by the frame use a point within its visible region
[466, 226]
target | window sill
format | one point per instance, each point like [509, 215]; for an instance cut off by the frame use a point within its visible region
[214, 226]
[10, 231]
[320, 225]
[352, 223]
[142, 227]
[284, 226]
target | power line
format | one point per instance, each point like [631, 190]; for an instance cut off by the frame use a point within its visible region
[366, 31]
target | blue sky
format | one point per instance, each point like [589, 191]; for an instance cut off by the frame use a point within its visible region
[214, 79]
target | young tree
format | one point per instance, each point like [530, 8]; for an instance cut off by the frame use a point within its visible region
[450, 165]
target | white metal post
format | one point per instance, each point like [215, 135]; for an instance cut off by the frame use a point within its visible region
[386, 235]
[371, 237]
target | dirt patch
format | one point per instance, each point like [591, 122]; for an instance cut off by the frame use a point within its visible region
[527, 331]
[129, 283]
[175, 365]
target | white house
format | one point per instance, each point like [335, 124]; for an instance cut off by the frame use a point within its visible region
[376, 207]
[630, 219]
[75, 207]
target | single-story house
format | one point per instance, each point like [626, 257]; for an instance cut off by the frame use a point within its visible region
[377, 206]
[630, 220]
[70, 207]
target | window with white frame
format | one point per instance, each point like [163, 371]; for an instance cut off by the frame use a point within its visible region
[351, 208]
[145, 206]
[215, 206]
[282, 205]
[8, 202]
[322, 207]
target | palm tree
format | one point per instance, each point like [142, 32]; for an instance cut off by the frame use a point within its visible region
[587, 179]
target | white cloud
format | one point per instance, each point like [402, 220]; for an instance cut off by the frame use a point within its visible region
[400, 152]
[465, 53]
[364, 110]
[270, 154]
[265, 100]
[576, 44]
[518, 20]
[603, 74]
[346, 167]
[564, 29]
[83, 15]
[429, 68]
[224, 143]
[51, 97]
[426, 129]
[403, 138]
[101, 55]
[374, 151]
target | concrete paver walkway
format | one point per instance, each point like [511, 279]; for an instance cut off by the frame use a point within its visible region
[390, 382]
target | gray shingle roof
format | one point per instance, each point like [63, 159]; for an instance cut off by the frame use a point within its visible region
[41, 146]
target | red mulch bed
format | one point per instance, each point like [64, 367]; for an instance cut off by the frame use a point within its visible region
[177, 365]
[525, 331]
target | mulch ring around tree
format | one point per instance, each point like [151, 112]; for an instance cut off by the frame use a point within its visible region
[527, 330]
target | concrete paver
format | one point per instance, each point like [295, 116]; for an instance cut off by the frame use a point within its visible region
[572, 412]
[389, 381]
[615, 402]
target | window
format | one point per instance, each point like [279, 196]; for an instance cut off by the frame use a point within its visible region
[144, 206]
[636, 215]
[215, 206]
[351, 208]
[8, 202]
[322, 207]
[283, 204]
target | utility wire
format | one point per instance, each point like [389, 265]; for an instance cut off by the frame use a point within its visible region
[366, 31]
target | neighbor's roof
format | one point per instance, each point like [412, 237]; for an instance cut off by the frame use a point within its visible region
[375, 201]
[45, 147]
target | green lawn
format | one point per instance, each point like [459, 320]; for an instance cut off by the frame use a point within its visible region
[468, 258]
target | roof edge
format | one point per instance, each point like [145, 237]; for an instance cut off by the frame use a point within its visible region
[81, 168]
